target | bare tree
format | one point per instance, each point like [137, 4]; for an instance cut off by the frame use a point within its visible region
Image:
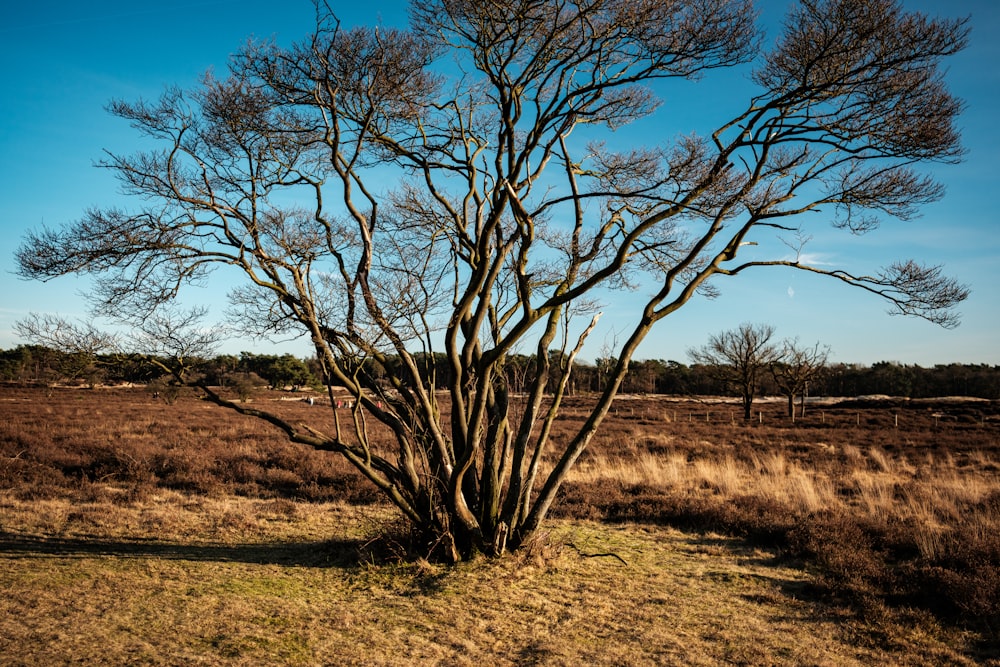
[79, 344]
[795, 368]
[171, 339]
[740, 356]
[454, 192]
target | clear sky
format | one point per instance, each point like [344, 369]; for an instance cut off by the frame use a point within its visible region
[61, 62]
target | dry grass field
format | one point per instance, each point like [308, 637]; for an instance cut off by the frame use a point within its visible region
[137, 532]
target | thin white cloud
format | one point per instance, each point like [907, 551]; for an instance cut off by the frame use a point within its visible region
[815, 259]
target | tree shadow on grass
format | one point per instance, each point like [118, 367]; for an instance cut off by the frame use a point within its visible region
[765, 565]
[326, 553]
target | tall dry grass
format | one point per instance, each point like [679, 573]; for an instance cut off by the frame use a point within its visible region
[874, 485]
[767, 475]
[890, 518]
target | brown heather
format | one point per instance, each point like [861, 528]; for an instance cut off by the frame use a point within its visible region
[136, 532]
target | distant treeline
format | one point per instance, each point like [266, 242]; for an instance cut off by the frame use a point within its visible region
[656, 376]
[38, 364]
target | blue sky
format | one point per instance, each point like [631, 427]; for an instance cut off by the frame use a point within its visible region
[60, 64]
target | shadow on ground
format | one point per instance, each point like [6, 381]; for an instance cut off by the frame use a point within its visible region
[328, 553]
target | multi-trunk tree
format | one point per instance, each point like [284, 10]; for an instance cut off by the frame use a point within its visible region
[793, 370]
[740, 357]
[453, 188]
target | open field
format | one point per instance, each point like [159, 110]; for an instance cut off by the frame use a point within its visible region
[172, 580]
[144, 533]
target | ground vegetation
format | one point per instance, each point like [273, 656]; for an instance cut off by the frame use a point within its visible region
[887, 511]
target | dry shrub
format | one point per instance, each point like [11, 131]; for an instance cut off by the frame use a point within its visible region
[962, 580]
[30, 479]
[760, 520]
[851, 566]
[873, 564]
[118, 445]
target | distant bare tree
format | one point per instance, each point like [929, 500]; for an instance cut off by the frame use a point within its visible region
[392, 193]
[78, 344]
[740, 356]
[795, 368]
[171, 339]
